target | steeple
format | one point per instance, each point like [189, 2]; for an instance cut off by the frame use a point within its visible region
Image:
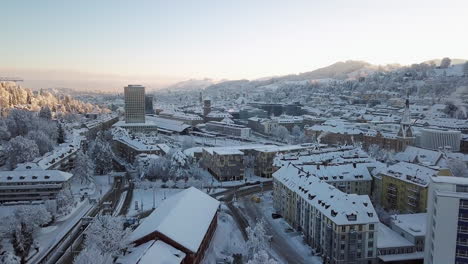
[406, 118]
[405, 133]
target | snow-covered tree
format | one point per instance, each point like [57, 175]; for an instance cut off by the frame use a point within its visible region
[102, 155]
[187, 143]
[65, 202]
[262, 257]
[281, 133]
[43, 141]
[45, 113]
[159, 169]
[91, 256]
[21, 150]
[107, 234]
[4, 133]
[296, 131]
[60, 134]
[257, 238]
[84, 168]
[458, 167]
[445, 63]
[19, 122]
[8, 258]
[22, 225]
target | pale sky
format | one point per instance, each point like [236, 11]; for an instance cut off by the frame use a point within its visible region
[175, 40]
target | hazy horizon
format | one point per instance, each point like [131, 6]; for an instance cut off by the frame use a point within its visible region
[104, 44]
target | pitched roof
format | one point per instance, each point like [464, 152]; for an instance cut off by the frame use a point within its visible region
[183, 217]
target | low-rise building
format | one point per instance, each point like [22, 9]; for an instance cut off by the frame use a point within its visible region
[32, 185]
[224, 163]
[228, 129]
[186, 222]
[189, 119]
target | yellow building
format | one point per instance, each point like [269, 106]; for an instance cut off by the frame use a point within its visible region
[403, 186]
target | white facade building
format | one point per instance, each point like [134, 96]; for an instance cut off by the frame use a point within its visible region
[447, 221]
[439, 138]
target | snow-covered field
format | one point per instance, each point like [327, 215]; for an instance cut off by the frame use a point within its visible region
[226, 241]
[144, 198]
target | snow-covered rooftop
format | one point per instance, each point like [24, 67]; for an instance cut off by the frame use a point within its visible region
[387, 238]
[410, 172]
[18, 176]
[414, 224]
[338, 206]
[183, 218]
[162, 253]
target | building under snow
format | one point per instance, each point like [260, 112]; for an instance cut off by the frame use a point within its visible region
[179, 230]
[32, 185]
[342, 227]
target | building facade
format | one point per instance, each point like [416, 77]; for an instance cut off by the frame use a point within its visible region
[447, 221]
[134, 104]
[32, 185]
[224, 164]
[342, 228]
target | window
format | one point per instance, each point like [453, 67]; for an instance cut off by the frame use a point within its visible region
[371, 235]
[369, 254]
[370, 244]
[371, 227]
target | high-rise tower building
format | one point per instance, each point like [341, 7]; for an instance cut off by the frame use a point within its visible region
[149, 104]
[134, 103]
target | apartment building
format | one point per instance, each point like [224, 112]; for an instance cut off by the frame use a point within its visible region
[224, 163]
[447, 221]
[341, 227]
[348, 178]
[32, 185]
[403, 186]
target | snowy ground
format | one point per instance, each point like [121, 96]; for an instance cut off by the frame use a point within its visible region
[226, 241]
[285, 239]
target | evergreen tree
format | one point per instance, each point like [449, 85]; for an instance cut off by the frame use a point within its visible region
[61, 134]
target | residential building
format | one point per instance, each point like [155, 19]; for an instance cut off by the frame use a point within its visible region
[447, 221]
[32, 185]
[348, 178]
[403, 186]
[134, 103]
[342, 228]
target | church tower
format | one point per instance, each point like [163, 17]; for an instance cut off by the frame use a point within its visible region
[405, 134]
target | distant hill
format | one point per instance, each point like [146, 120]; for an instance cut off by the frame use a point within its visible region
[454, 61]
[338, 70]
[191, 84]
